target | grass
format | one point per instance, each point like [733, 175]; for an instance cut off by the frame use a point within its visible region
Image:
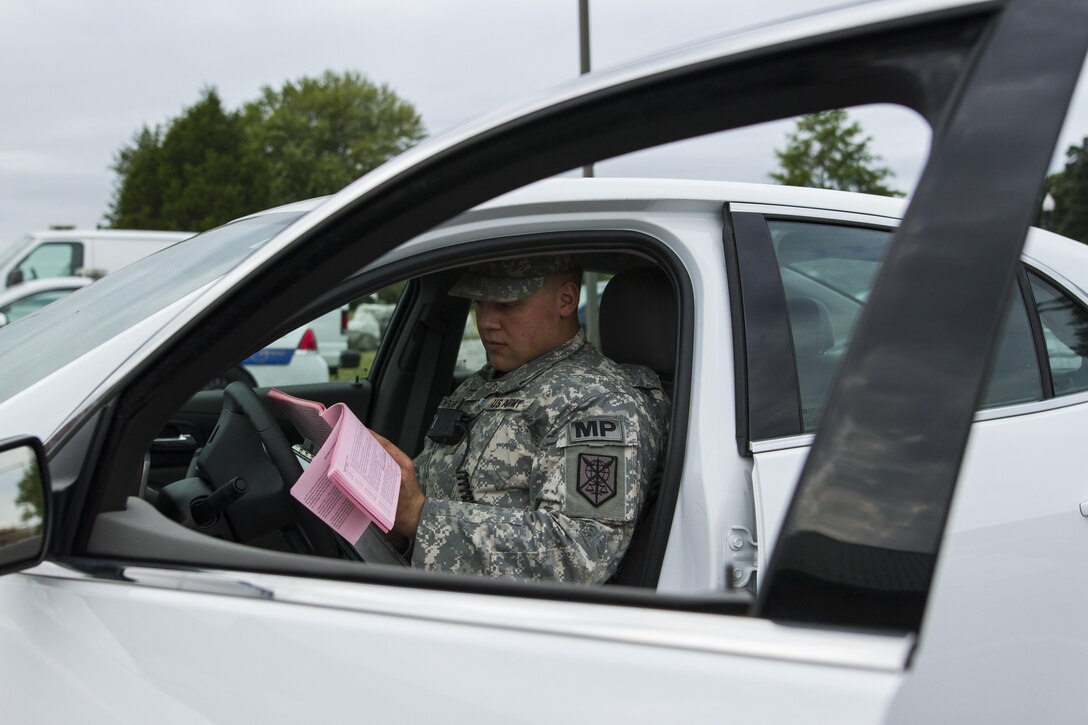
[366, 359]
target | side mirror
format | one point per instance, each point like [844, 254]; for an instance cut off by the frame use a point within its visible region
[3, 319]
[25, 496]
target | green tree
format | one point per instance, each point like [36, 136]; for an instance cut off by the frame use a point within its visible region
[210, 165]
[1069, 190]
[200, 173]
[137, 199]
[825, 151]
[316, 135]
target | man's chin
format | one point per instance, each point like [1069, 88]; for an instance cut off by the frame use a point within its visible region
[500, 364]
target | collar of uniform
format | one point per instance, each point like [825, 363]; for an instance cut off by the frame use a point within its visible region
[518, 378]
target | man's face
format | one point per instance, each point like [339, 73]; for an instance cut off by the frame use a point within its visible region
[513, 333]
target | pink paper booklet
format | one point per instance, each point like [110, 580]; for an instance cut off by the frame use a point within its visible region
[352, 480]
[304, 414]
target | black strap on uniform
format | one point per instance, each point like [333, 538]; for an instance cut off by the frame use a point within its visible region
[432, 325]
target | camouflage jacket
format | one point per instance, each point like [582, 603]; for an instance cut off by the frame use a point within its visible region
[558, 459]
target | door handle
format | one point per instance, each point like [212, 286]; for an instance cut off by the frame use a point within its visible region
[180, 442]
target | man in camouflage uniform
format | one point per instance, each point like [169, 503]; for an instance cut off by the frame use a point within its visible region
[545, 456]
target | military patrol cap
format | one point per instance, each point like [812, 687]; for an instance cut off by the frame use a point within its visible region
[508, 280]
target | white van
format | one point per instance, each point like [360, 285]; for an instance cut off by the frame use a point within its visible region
[68, 252]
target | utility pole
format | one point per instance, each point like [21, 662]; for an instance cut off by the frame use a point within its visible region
[592, 306]
[583, 54]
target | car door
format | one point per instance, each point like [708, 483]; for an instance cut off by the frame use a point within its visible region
[1016, 486]
[141, 617]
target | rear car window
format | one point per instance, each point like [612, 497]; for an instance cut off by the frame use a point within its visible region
[1065, 330]
[827, 273]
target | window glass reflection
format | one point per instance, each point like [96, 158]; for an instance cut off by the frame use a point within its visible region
[21, 505]
[1065, 329]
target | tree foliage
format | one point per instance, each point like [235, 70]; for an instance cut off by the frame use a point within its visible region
[210, 165]
[826, 151]
[316, 135]
[137, 202]
[1069, 191]
[195, 175]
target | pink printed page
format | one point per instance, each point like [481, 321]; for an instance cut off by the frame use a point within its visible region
[363, 470]
[306, 415]
[318, 493]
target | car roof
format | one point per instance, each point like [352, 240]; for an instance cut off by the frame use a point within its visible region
[566, 189]
[136, 234]
[654, 189]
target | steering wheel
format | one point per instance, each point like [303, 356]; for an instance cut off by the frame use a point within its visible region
[247, 442]
[240, 399]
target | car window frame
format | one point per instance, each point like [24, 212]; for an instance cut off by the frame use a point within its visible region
[1065, 291]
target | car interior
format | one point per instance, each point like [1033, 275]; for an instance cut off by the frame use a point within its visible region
[219, 435]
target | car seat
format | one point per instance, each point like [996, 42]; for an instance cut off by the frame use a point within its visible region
[639, 324]
[813, 340]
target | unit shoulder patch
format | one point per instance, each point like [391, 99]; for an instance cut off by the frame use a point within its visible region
[597, 477]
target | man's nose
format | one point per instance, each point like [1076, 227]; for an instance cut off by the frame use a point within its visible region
[486, 319]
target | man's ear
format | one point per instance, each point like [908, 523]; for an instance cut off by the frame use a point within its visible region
[568, 299]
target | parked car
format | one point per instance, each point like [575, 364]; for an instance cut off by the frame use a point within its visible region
[367, 324]
[29, 297]
[869, 508]
[293, 359]
[66, 251]
[331, 335]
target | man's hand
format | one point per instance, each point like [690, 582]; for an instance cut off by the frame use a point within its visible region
[411, 500]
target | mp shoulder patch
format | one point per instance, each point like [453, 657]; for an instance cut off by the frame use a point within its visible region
[597, 477]
[596, 430]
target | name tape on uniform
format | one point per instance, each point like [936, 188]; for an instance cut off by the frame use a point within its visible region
[506, 404]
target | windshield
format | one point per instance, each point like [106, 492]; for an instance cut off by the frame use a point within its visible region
[37, 346]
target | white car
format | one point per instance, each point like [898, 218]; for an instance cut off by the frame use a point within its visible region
[28, 297]
[330, 332]
[292, 359]
[869, 509]
[63, 251]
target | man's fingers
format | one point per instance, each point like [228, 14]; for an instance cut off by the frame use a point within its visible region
[399, 456]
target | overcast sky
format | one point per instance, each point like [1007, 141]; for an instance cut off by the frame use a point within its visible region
[80, 78]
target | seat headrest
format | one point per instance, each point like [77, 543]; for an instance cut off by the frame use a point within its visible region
[811, 323]
[638, 320]
[796, 248]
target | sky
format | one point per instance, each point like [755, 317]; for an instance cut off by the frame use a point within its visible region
[81, 78]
